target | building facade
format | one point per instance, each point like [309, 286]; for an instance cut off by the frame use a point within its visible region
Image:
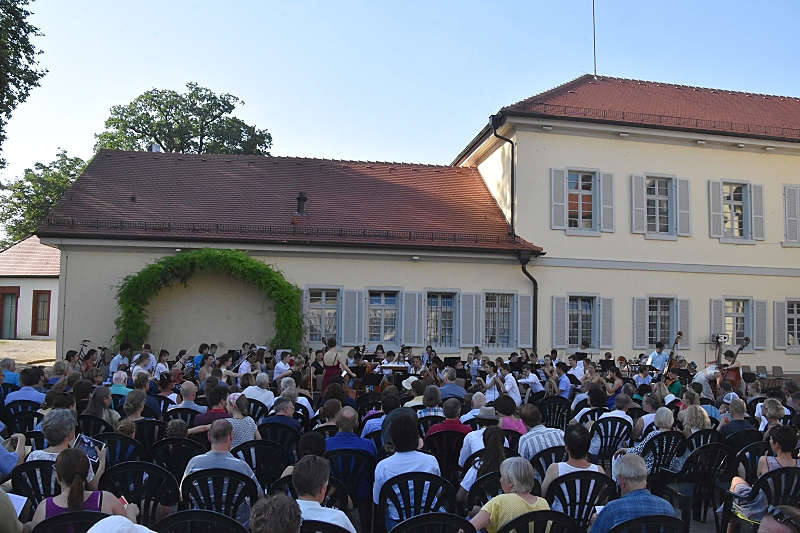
[29, 290]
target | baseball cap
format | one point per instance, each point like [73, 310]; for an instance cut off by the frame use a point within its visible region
[728, 398]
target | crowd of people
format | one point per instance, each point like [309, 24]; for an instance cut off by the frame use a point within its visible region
[391, 406]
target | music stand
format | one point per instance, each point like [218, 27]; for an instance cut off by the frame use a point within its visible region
[606, 364]
[516, 367]
[573, 379]
[372, 380]
[462, 373]
[451, 361]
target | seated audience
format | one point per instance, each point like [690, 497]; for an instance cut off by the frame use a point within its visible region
[473, 441]
[72, 469]
[489, 461]
[539, 437]
[478, 401]
[100, 406]
[733, 421]
[695, 418]
[260, 391]
[449, 388]
[311, 443]
[772, 414]
[510, 386]
[635, 501]
[188, 393]
[9, 367]
[282, 413]
[244, 427]
[596, 398]
[346, 439]
[118, 383]
[389, 402]
[141, 382]
[451, 422]
[576, 443]
[221, 437]
[418, 389]
[505, 407]
[310, 478]
[134, 405]
[663, 421]
[128, 428]
[10, 459]
[622, 403]
[275, 514]
[650, 405]
[430, 403]
[32, 380]
[516, 480]
[216, 401]
[176, 429]
[406, 459]
[327, 414]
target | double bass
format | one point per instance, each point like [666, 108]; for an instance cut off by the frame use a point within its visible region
[672, 361]
[732, 375]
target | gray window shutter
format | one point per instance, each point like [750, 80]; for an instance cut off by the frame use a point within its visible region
[760, 324]
[757, 201]
[791, 209]
[560, 338]
[717, 320]
[304, 306]
[411, 329]
[715, 209]
[558, 198]
[606, 322]
[684, 211]
[469, 319]
[779, 324]
[638, 205]
[350, 328]
[640, 323]
[525, 321]
[606, 202]
[684, 324]
[362, 317]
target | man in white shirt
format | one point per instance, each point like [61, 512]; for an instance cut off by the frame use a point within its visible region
[122, 358]
[621, 405]
[310, 477]
[576, 367]
[510, 386]
[659, 359]
[478, 401]
[531, 379]
[473, 441]
[406, 459]
[281, 368]
[539, 437]
[260, 391]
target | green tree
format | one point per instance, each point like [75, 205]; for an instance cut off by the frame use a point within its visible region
[195, 122]
[19, 72]
[25, 202]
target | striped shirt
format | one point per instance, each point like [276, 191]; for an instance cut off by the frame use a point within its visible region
[539, 438]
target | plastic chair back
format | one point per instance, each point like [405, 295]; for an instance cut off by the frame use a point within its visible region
[357, 470]
[144, 484]
[545, 458]
[219, 490]
[92, 425]
[652, 524]
[174, 454]
[35, 480]
[71, 522]
[555, 412]
[182, 413]
[121, 448]
[416, 493]
[541, 522]
[267, 459]
[579, 492]
[199, 521]
[436, 522]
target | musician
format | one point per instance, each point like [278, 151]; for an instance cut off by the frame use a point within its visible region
[427, 355]
[704, 377]
[733, 370]
[576, 366]
[474, 364]
[530, 379]
[659, 359]
[673, 383]
[554, 356]
[643, 377]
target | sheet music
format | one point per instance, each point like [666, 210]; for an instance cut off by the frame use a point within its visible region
[17, 501]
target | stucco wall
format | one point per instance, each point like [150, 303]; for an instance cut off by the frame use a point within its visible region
[496, 172]
[25, 301]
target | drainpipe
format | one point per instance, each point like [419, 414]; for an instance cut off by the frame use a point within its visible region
[495, 122]
[524, 258]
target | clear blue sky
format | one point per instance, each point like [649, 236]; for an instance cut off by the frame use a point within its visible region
[397, 81]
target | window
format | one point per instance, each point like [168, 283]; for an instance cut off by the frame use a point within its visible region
[497, 321]
[441, 319]
[659, 320]
[580, 201]
[793, 323]
[735, 320]
[383, 317]
[581, 317]
[40, 322]
[735, 211]
[323, 310]
[659, 205]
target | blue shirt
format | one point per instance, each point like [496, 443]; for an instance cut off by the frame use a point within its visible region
[658, 360]
[564, 386]
[11, 377]
[25, 393]
[8, 460]
[451, 390]
[712, 411]
[281, 419]
[350, 441]
[639, 380]
[373, 424]
[635, 504]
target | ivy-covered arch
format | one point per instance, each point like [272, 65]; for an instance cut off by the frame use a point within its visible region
[136, 290]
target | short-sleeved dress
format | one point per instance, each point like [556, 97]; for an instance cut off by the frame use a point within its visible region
[506, 507]
[244, 429]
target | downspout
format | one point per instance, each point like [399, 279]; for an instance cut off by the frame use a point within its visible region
[524, 258]
[494, 122]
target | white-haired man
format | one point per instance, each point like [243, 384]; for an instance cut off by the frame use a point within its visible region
[119, 383]
[636, 500]
[260, 391]
[289, 383]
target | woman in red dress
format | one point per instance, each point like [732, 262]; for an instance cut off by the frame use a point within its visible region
[333, 363]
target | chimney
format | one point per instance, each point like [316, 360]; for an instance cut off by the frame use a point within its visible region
[301, 203]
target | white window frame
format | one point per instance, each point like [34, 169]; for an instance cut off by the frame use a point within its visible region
[594, 231]
[387, 345]
[747, 212]
[595, 343]
[320, 287]
[495, 348]
[456, 347]
[793, 348]
[748, 319]
[672, 234]
[673, 317]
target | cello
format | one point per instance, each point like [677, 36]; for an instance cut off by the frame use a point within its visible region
[672, 361]
[733, 375]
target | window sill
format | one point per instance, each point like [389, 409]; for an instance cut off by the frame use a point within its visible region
[582, 233]
[446, 349]
[790, 244]
[793, 350]
[733, 240]
[661, 236]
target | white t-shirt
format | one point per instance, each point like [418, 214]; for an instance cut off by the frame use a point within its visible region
[314, 511]
[512, 389]
[160, 368]
[280, 368]
[401, 463]
[533, 382]
[758, 415]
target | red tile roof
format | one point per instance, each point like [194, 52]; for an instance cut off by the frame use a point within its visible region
[668, 106]
[30, 258]
[145, 195]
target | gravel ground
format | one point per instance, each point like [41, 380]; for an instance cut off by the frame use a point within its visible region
[26, 351]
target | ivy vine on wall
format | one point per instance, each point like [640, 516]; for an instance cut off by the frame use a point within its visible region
[136, 290]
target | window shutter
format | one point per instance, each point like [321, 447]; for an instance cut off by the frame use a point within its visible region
[760, 324]
[362, 317]
[757, 201]
[640, 323]
[779, 324]
[638, 205]
[717, 324]
[606, 322]
[684, 324]
[560, 338]
[350, 327]
[791, 209]
[304, 306]
[411, 318]
[525, 321]
[422, 315]
[558, 198]
[715, 209]
[469, 319]
[684, 211]
[606, 202]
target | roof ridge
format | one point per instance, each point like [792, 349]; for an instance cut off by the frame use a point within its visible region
[550, 92]
[699, 87]
[287, 157]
